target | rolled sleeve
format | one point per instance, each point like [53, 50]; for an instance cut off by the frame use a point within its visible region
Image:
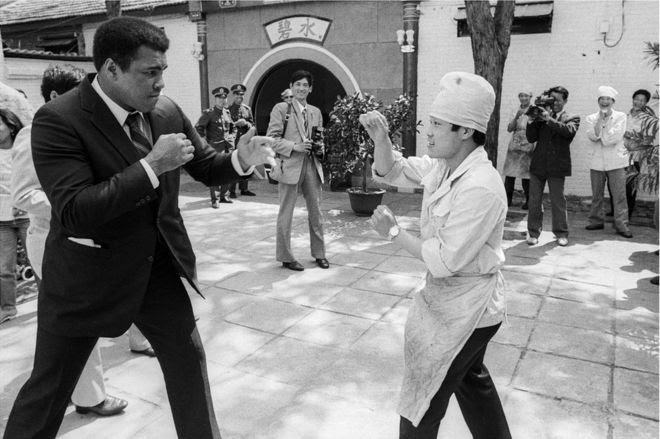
[406, 172]
[431, 254]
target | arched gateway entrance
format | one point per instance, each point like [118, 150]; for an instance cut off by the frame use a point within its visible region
[271, 74]
[324, 93]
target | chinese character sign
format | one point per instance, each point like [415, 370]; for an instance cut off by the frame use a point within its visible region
[312, 29]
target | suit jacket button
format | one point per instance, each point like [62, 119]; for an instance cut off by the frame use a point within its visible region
[150, 258]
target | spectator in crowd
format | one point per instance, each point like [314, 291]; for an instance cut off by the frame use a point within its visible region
[297, 169]
[241, 115]
[108, 155]
[89, 395]
[553, 130]
[216, 126]
[462, 304]
[641, 135]
[287, 95]
[13, 222]
[519, 153]
[609, 158]
[13, 100]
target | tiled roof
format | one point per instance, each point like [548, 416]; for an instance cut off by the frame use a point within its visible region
[38, 53]
[23, 11]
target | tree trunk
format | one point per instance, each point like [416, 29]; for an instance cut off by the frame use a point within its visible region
[113, 8]
[490, 37]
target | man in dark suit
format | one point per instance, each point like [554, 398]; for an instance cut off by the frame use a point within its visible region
[108, 156]
[553, 130]
[241, 114]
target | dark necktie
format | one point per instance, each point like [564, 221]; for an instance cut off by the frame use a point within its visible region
[141, 142]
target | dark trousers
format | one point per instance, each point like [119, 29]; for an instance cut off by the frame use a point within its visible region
[558, 202]
[242, 185]
[167, 321]
[475, 392]
[509, 184]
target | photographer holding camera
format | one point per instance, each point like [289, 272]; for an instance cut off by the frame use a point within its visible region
[553, 129]
[296, 127]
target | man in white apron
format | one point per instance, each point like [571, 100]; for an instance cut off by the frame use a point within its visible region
[462, 304]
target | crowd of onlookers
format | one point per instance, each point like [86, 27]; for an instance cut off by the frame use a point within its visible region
[622, 147]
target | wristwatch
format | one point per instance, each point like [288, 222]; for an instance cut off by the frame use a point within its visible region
[394, 232]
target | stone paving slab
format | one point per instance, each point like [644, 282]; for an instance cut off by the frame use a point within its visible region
[319, 354]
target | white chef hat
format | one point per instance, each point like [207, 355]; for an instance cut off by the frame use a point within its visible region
[464, 99]
[607, 92]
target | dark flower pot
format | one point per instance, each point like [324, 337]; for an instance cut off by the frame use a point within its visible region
[364, 204]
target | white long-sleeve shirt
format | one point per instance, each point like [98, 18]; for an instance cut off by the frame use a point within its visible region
[462, 222]
[607, 148]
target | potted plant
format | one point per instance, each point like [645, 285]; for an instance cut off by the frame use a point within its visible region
[351, 150]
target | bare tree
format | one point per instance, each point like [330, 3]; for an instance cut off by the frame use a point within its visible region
[113, 8]
[490, 36]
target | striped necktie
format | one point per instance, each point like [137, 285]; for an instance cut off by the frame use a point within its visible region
[304, 115]
[141, 142]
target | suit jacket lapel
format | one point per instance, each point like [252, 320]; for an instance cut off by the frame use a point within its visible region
[105, 121]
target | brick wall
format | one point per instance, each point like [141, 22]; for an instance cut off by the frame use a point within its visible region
[26, 74]
[573, 55]
[362, 35]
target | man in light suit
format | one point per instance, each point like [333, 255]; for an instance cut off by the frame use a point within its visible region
[108, 155]
[297, 168]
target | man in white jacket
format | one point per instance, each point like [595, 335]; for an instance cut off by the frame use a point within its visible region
[609, 158]
[461, 306]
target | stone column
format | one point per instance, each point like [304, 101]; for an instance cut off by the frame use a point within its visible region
[410, 23]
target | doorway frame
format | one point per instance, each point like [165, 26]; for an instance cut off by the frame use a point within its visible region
[304, 51]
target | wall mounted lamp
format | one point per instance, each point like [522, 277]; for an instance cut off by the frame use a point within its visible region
[406, 40]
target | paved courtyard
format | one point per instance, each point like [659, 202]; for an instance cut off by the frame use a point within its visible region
[318, 354]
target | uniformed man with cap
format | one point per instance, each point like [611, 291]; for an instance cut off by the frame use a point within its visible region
[217, 127]
[241, 115]
[461, 306]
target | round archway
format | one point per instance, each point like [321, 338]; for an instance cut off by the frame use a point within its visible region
[325, 91]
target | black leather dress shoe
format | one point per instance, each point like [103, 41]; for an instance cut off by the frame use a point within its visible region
[625, 233]
[595, 227]
[248, 194]
[294, 265]
[323, 263]
[225, 200]
[109, 407]
[149, 352]
[232, 195]
[214, 204]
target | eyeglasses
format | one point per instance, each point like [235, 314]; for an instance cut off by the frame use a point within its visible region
[288, 97]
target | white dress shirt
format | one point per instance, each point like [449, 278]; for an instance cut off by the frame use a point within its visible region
[121, 115]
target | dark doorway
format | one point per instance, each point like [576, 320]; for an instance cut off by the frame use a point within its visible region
[324, 93]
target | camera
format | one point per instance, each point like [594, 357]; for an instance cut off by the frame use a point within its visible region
[318, 142]
[543, 102]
